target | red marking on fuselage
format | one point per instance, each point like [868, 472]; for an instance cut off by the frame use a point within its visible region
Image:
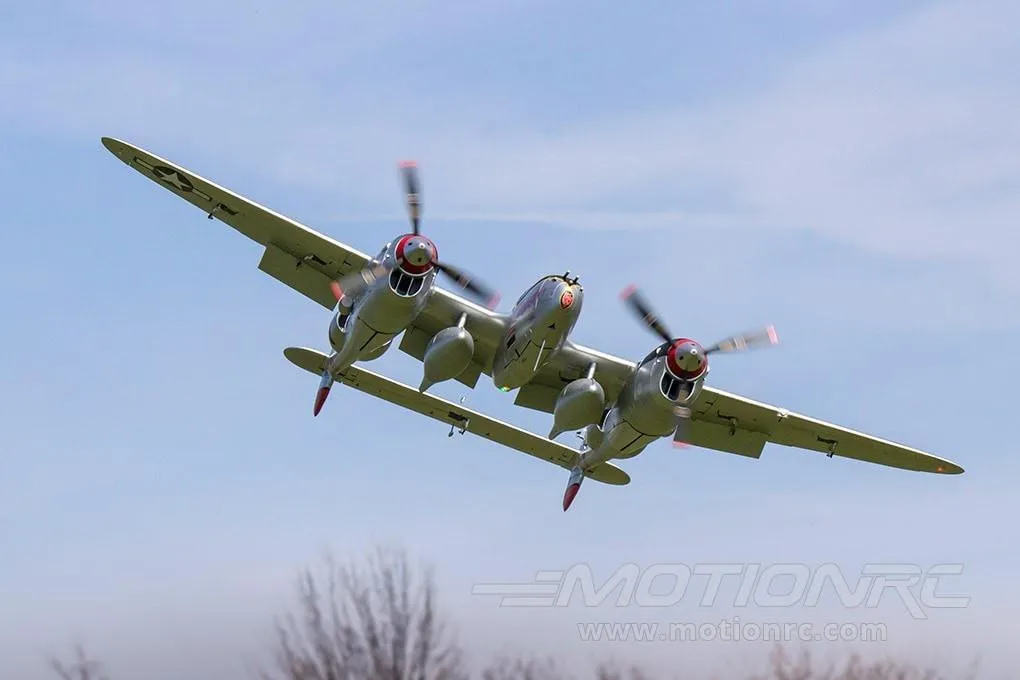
[566, 299]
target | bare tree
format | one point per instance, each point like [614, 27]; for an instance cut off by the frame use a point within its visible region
[81, 668]
[783, 667]
[372, 621]
[518, 668]
[608, 670]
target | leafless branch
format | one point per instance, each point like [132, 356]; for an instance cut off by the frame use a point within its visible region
[783, 667]
[375, 620]
[517, 668]
[81, 668]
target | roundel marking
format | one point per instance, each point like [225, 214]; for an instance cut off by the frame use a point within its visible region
[172, 177]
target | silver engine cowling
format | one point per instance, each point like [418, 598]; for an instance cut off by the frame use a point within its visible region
[644, 412]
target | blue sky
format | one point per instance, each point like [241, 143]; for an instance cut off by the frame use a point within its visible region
[846, 171]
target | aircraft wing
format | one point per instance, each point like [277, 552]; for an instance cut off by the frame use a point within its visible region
[300, 257]
[727, 422]
[735, 424]
[443, 310]
[568, 364]
[456, 415]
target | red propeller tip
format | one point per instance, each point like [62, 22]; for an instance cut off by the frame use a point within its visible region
[408, 164]
[773, 338]
[628, 291]
[337, 290]
[679, 444]
[493, 301]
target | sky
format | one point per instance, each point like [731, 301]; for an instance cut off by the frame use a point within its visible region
[847, 171]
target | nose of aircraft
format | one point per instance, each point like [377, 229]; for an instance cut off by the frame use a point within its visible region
[562, 302]
[567, 296]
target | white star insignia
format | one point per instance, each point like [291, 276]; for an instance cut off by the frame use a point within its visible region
[174, 179]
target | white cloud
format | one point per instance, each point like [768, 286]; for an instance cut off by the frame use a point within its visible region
[902, 140]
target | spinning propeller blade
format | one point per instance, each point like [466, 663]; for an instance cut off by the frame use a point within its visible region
[738, 343]
[735, 343]
[355, 282]
[412, 187]
[633, 298]
[469, 283]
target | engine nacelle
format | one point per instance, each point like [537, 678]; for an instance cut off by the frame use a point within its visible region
[447, 355]
[579, 403]
[377, 352]
[644, 412]
[621, 438]
[337, 337]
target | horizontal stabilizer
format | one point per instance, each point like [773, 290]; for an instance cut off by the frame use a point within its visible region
[456, 415]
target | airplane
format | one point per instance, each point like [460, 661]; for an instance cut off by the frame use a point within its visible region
[375, 299]
[619, 406]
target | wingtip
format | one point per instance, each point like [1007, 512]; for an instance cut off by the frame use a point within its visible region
[114, 146]
[947, 468]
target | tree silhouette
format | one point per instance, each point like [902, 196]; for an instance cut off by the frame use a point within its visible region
[80, 668]
[375, 620]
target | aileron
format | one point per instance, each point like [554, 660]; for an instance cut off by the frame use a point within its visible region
[780, 426]
[457, 416]
[330, 258]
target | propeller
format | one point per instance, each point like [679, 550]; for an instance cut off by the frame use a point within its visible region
[352, 284]
[469, 283]
[636, 301]
[356, 282]
[738, 343]
[688, 359]
[412, 187]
